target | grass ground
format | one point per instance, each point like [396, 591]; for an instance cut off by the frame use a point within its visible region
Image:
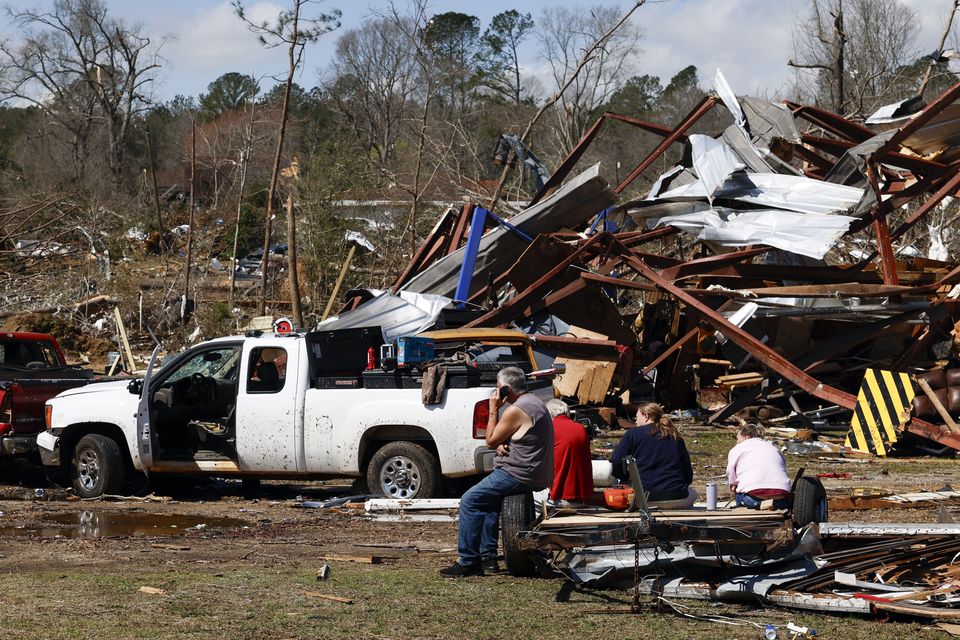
[252, 583]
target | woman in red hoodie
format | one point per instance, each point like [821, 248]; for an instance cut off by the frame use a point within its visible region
[572, 469]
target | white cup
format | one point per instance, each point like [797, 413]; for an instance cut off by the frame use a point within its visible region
[711, 496]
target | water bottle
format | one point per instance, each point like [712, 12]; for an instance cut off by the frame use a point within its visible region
[770, 632]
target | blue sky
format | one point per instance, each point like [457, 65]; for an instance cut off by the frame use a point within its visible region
[749, 40]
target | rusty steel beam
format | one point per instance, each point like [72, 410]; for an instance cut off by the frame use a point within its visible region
[811, 157]
[881, 232]
[660, 359]
[934, 432]
[837, 148]
[509, 309]
[949, 188]
[569, 162]
[696, 267]
[929, 112]
[428, 247]
[707, 103]
[620, 283]
[760, 351]
[460, 230]
[831, 122]
[578, 150]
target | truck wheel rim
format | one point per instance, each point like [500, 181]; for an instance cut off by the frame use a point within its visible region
[400, 478]
[88, 469]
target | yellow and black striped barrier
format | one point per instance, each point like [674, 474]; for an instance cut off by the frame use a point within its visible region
[883, 406]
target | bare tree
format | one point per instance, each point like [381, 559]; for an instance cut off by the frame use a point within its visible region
[856, 51]
[564, 34]
[294, 31]
[83, 69]
[586, 57]
[501, 53]
[375, 78]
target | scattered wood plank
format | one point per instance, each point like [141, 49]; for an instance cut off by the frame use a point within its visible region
[170, 547]
[327, 596]
[153, 591]
[357, 559]
[935, 401]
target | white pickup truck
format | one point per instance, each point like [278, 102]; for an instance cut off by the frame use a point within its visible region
[266, 406]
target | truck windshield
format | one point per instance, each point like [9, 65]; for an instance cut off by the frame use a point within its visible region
[220, 364]
[28, 354]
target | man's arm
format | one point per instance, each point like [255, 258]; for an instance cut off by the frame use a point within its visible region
[509, 423]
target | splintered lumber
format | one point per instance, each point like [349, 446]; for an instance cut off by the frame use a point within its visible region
[170, 547]
[327, 596]
[357, 559]
[122, 331]
[935, 401]
[735, 380]
[153, 591]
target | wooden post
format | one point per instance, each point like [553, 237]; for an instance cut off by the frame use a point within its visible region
[935, 401]
[122, 331]
[336, 287]
[295, 303]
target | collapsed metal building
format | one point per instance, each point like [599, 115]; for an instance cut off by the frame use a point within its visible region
[797, 292]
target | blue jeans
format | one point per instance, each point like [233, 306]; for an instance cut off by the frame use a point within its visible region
[480, 516]
[748, 501]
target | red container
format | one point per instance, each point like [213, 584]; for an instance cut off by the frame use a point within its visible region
[617, 498]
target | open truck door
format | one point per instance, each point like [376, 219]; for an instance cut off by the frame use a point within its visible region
[145, 434]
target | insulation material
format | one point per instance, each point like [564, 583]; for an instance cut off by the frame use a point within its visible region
[397, 315]
[714, 161]
[809, 235]
[777, 191]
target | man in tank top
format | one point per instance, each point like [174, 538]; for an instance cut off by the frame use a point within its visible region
[523, 438]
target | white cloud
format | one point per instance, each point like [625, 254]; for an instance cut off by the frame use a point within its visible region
[749, 40]
[215, 40]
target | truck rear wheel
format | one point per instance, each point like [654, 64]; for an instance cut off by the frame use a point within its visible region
[515, 516]
[404, 470]
[97, 467]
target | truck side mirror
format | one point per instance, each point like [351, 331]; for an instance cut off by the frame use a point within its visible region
[135, 387]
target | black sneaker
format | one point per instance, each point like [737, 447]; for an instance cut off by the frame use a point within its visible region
[490, 566]
[457, 570]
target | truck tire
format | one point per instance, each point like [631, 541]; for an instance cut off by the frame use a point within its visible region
[404, 470]
[97, 467]
[809, 502]
[515, 516]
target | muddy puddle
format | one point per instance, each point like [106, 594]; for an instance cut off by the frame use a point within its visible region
[96, 524]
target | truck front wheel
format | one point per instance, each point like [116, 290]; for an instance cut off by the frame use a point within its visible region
[97, 467]
[404, 470]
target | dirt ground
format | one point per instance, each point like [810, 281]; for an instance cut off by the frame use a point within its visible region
[236, 566]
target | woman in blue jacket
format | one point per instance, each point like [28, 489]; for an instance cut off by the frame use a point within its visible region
[661, 455]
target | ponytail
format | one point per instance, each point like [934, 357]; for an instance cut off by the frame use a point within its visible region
[660, 425]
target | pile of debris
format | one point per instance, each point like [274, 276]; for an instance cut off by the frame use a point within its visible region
[767, 273]
[743, 556]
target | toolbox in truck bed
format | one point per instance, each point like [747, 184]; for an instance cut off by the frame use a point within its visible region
[342, 351]
[458, 377]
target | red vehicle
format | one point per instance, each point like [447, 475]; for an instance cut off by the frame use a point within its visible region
[32, 370]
